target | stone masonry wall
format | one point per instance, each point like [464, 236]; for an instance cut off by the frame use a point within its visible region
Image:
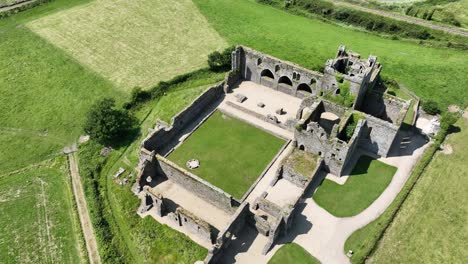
[254, 65]
[162, 136]
[198, 186]
[381, 136]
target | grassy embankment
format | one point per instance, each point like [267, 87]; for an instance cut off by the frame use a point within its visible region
[39, 222]
[367, 181]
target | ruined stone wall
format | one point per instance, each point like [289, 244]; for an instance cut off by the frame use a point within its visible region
[314, 139]
[284, 76]
[381, 135]
[395, 108]
[198, 186]
[162, 135]
[225, 237]
[195, 225]
[286, 126]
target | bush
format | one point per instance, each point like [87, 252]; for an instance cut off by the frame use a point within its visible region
[220, 61]
[105, 123]
[431, 107]
[137, 96]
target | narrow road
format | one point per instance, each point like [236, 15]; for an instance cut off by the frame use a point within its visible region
[408, 19]
[86, 225]
[13, 6]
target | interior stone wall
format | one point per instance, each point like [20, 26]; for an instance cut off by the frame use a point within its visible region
[198, 186]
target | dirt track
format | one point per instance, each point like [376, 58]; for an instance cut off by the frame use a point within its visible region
[86, 225]
[408, 19]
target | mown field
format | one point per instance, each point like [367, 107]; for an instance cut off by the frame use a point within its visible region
[232, 153]
[429, 72]
[431, 225]
[133, 43]
[39, 223]
[367, 181]
[45, 93]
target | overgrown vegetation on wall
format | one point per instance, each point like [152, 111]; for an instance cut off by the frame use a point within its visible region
[367, 21]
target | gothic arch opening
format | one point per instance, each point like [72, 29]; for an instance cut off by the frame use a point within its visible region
[285, 80]
[305, 88]
[267, 73]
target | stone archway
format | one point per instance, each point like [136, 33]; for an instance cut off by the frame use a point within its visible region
[267, 78]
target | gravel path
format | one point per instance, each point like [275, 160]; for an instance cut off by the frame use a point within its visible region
[86, 225]
[408, 19]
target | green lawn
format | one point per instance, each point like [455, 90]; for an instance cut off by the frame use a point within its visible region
[232, 153]
[292, 253]
[429, 72]
[38, 222]
[431, 225]
[133, 43]
[367, 181]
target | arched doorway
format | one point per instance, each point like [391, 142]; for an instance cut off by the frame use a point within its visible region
[267, 78]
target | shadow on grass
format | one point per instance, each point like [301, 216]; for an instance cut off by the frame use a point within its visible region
[362, 166]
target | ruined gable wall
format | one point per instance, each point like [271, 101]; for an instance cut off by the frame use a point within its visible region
[381, 137]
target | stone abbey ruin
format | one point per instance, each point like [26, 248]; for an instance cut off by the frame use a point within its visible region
[323, 117]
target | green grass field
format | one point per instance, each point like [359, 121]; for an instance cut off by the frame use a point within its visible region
[431, 225]
[292, 253]
[133, 43]
[367, 181]
[232, 153]
[429, 72]
[45, 94]
[39, 223]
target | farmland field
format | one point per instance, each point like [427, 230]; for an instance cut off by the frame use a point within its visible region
[133, 43]
[232, 153]
[431, 225]
[429, 72]
[38, 222]
[44, 94]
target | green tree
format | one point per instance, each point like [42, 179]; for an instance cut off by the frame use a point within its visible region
[431, 107]
[105, 123]
[220, 61]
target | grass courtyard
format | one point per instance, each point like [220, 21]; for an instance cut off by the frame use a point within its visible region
[232, 153]
[367, 181]
[292, 253]
[133, 43]
[39, 222]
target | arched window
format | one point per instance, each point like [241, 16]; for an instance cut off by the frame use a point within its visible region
[304, 87]
[267, 73]
[285, 80]
[259, 61]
